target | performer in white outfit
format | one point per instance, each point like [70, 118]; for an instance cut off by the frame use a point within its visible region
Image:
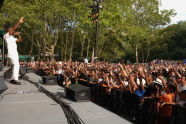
[10, 38]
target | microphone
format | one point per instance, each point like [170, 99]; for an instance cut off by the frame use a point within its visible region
[17, 33]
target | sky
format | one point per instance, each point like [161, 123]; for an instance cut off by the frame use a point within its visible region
[179, 6]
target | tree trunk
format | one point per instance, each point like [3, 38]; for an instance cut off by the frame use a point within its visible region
[137, 59]
[39, 49]
[66, 45]
[143, 55]
[148, 53]
[32, 44]
[72, 44]
[73, 35]
[39, 53]
[44, 50]
[52, 53]
[92, 58]
[88, 47]
[31, 49]
[55, 39]
[82, 46]
[62, 48]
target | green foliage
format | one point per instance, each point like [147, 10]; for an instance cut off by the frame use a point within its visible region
[173, 41]
[63, 27]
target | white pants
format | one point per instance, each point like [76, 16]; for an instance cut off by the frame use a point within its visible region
[15, 70]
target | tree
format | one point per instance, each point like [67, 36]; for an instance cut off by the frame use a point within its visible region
[128, 28]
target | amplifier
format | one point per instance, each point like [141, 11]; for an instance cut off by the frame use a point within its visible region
[3, 86]
[50, 80]
[8, 73]
[22, 71]
[1, 66]
[78, 92]
[30, 70]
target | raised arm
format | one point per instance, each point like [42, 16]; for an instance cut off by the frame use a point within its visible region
[123, 70]
[164, 82]
[21, 20]
[132, 83]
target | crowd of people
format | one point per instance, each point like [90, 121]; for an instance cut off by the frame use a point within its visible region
[146, 93]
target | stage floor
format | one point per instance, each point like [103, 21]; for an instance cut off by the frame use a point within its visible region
[34, 107]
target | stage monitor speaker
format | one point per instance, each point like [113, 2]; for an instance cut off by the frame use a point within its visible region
[30, 70]
[3, 87]
[1, 66]
[50, 80]
[78, 92]
[33, 77]
[8, 73]
[22, 71]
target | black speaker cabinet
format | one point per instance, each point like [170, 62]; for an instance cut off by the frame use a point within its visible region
[78, 92]
[8, 73]
[1, 66]
[3, 87]
[30, 70]
[50, 80]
